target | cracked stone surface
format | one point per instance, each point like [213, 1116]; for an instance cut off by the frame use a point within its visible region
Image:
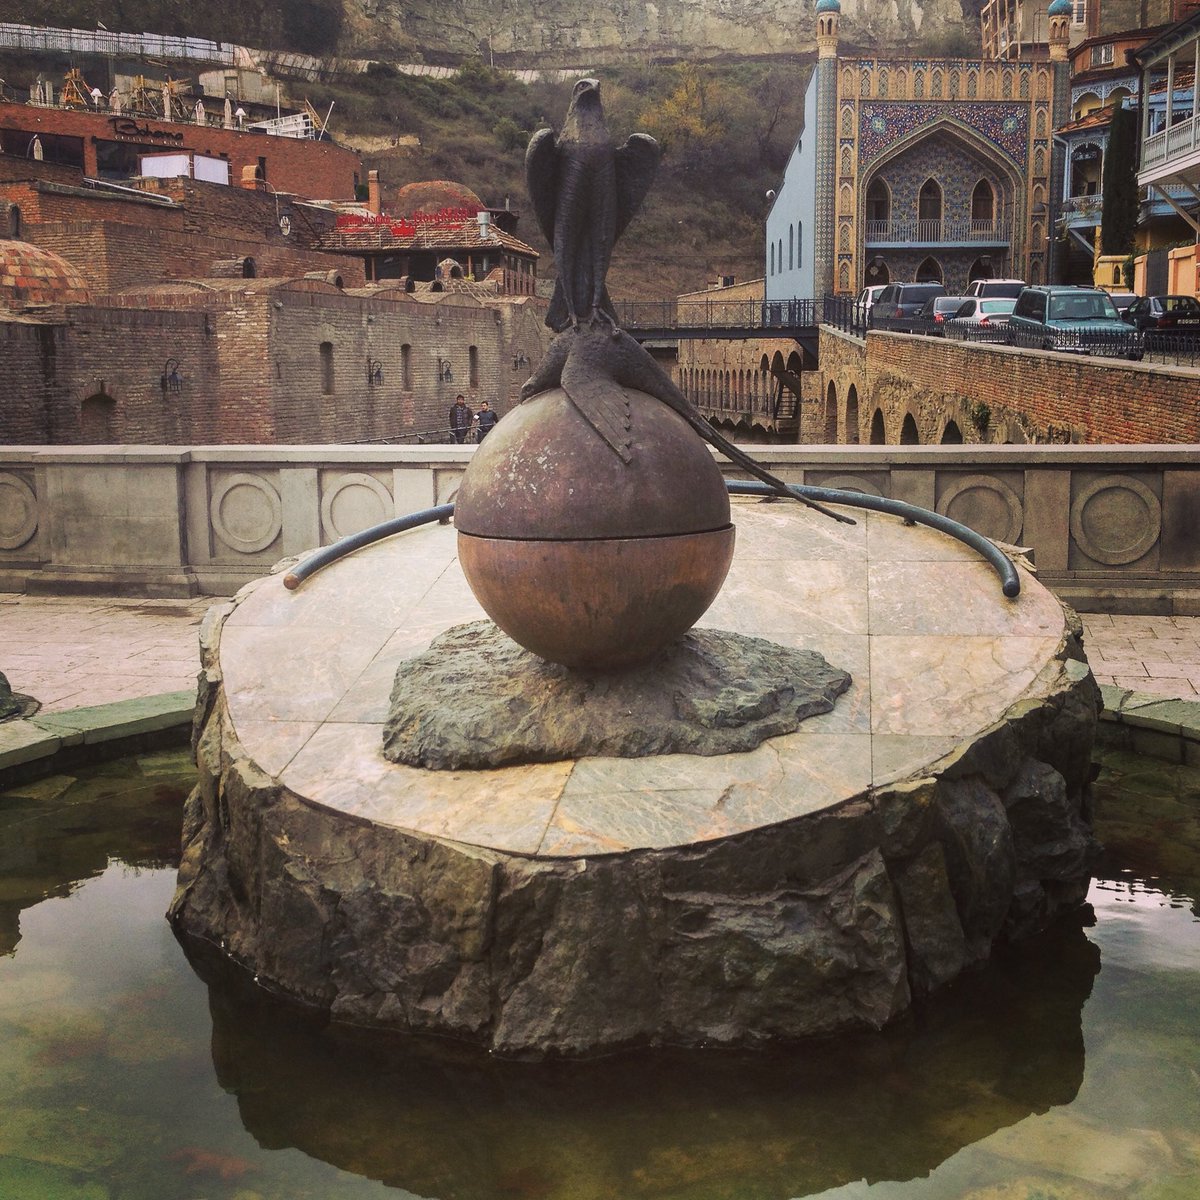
[477, 699]
[820, 881]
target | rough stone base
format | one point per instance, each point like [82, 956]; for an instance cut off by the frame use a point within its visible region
[825, 922]
[477, 699]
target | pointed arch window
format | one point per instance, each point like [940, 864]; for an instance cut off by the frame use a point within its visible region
[983, 202]
[929, 201]
[930, 271]
[879, 201]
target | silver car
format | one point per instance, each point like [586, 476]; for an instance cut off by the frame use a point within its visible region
[979, 313]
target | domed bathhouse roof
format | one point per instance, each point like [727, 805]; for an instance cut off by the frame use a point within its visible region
[32, 276]
[824, 6]
[433, 195]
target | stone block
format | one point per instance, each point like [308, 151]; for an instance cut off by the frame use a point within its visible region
[23, 741]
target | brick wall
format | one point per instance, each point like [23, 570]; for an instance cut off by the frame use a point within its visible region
[996, 393]
[30, 380]
[309, 168]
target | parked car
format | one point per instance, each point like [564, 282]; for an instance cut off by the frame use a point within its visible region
[1123, 300]
[1008, 288]
[936, 312]
[902, 302]
[1165, 320]
[866, 301]
[978, 313]
[1079, 320]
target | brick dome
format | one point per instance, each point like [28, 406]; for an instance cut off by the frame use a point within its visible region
[431, 196]
[30, 275]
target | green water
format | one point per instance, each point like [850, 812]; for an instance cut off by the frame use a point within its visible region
[1069, 1070]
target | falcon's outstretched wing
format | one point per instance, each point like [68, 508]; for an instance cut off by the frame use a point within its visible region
[541, 178]
[637, 162]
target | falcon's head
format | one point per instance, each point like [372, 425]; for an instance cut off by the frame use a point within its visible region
[585, 111]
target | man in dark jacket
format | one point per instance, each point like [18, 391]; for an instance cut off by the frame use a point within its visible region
[487, 420]
[460, 418]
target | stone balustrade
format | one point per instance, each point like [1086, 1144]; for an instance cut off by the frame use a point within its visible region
[1110, 528]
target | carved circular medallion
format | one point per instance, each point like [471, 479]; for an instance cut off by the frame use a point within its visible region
[849, 483]
[18, 512]
[246, 512]
[1116, 520]
[985, 504]
[354, 502]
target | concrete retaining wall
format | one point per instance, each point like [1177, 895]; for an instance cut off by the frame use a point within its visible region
[1110, 528]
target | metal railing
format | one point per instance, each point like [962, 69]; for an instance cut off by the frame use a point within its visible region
[716, 314]
[117, 45]
[990, 231]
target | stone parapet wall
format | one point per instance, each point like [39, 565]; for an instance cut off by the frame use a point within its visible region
[1001, 393]
[1109, 528]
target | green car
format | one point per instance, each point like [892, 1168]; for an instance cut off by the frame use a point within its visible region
[1078, 320]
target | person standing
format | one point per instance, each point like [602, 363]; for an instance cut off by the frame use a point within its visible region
[460, 418]
[487, 420]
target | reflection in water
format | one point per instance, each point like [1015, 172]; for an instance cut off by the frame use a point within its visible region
[107, 1086]
[439, 1122]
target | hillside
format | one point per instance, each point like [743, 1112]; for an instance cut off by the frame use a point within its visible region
[726, 132]
[526, 33]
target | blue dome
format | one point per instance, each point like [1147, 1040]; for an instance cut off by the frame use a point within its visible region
[824, 6]
[1060, 8]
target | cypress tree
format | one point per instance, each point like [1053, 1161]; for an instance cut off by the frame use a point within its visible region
[1119, 215]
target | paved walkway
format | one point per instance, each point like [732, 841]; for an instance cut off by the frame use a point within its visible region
[70, 652]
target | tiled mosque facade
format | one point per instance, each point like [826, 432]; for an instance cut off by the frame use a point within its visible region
[937, 168]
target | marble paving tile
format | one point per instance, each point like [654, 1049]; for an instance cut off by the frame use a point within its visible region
[789, 597]
[955, 598]
[716, 797]
[366, 590]
[273, 744]
[783, 531]
[613, 822]
[896, 756]
[281, 674]
[450, 601]
[366, 699]
[890, 540]
[950, 686]
[342, 767]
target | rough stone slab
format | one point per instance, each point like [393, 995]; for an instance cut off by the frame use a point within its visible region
[23, 741]
[476, 699]
[123, 718]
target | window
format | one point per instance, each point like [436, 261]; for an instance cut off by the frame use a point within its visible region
[1102, 55]
[406, 367]
[879, 201]
[983, 202]
[473, 365]
[327, 368]
[772, 258]
[929, 202]
[1079, 12]
[791, 247]
[799, 243]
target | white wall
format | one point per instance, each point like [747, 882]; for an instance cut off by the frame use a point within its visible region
[794, 213]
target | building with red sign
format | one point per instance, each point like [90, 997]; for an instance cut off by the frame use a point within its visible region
[119, 147]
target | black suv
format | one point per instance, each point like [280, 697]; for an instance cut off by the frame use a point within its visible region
[899, 303]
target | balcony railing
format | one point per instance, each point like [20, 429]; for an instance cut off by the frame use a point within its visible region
[1159, 148]
[929, 232]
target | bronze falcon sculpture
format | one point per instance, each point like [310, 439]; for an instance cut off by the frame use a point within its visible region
[585, 191]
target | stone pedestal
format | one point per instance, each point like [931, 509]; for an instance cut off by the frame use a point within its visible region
[817, 883]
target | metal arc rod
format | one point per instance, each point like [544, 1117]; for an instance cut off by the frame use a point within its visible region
[1009, 579]
[356, 541]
